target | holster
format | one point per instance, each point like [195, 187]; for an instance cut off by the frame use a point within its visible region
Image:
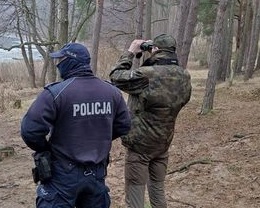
[42, 170]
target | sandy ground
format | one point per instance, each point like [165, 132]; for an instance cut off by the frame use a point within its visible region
[214, 159]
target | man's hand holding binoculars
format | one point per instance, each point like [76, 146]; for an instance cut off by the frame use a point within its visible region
[138, 46]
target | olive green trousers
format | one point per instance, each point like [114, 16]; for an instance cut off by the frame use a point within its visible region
[143, 171]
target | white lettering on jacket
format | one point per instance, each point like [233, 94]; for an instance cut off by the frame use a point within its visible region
[95, 108]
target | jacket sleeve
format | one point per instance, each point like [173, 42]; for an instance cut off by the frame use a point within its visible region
[126, 79]
[38, 122]
[122, 121]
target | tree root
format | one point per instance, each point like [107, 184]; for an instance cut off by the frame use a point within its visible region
[185, 167]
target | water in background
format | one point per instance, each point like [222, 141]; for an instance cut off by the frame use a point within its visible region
[15, 53]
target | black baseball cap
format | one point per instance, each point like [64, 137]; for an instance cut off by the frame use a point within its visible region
[73, 50]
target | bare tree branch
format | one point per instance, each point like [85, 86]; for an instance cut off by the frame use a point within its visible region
[29, 43]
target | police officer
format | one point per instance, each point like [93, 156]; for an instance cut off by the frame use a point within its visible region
[157, 90]
[75, 120]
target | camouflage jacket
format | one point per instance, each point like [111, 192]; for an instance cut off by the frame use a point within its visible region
[156, 95]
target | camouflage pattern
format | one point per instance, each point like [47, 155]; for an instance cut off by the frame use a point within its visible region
[156, 95]
[164, 41]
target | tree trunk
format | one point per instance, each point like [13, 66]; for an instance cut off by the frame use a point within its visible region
[216, 50]
[242, 8]
[189, 33]
[148, 20]
[31, 71]
[139, 19]
[248, 36]
[139, 26]
[172, 18]
[72, 18]
[33, 36]
[148, 25]
[49, 66]
[252, 54]
[238, 62]
[63, 22]
[96, 34]
[227, 46]
[230, 38]
[182, 17]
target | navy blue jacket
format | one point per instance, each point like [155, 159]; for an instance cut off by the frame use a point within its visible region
[77, 118]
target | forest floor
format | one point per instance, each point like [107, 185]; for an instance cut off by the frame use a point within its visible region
[214, 159]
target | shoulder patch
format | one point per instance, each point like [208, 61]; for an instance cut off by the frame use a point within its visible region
[57, 87]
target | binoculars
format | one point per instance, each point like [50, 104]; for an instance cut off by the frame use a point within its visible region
[146, 46]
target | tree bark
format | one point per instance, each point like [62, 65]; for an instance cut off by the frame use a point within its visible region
[48, 62]
[148, 20]
[63, 22]
[139, 26]
[96, 34]
[242, 8]
[228, 40]
[252, 54]
[72, 19]
[139, 19]
[182, 17]
[189, 33]
[172, 18]
[240, 53]
[29, 67]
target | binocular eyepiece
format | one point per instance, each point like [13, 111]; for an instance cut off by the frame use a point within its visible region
[146, 46]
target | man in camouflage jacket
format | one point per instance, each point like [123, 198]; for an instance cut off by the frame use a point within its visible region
[157, 91]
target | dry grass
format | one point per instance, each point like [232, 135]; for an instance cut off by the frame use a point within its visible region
[10, 96]
[14, 79]
[15, 74]
[7, 97]
[106, 61]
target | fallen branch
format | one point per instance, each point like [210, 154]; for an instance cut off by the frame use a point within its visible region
[11, 185]
[185, 167]
[182, 202]
[240, 137]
